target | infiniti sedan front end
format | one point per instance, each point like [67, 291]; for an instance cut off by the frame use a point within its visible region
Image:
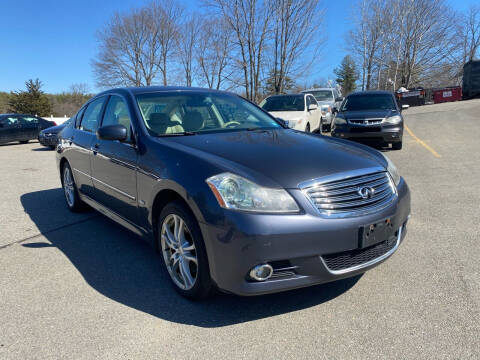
[230, 197]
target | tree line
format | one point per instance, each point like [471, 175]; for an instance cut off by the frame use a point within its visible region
[33, 100]
[254, 47]
[398, 43]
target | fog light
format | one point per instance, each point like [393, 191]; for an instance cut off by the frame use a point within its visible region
[261, 272]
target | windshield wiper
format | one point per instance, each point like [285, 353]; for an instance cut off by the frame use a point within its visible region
[183, 133]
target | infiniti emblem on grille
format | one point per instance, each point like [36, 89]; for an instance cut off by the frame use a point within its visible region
[366, 192]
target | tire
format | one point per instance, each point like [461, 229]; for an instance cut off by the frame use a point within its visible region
[397, 145]
[70, 190]
[24, 141]
[52, 147]
[188, 271]
[307, 128]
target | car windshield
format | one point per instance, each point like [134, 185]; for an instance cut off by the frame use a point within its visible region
[368, 102]
[283, 103]
[322, 95]
[170, 113]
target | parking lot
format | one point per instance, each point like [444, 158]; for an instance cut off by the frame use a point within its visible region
[80, 286]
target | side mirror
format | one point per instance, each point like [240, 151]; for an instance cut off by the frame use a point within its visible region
[339, 99]
[112, 132]
[283, 122]
[404, 107]
[312, 107]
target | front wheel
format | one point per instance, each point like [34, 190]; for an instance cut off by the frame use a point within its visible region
[183, 250]
[397, 145]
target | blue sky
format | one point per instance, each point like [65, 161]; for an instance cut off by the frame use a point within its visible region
[54, 40]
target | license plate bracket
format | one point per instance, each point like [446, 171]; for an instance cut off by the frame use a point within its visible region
[375, 233]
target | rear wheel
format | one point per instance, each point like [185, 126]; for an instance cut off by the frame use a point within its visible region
[70, 190]
[183, 250]
[397, 145]
[23, 141]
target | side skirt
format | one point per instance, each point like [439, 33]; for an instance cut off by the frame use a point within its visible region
[138, 230]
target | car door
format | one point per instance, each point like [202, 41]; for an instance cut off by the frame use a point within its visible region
[9, 129]
[114, 164]
[30, 127]
[79, 142]
[313, 116]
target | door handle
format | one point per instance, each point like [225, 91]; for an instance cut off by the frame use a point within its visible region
[94, 149]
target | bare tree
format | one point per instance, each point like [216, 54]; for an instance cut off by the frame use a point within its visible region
[166, 16]
[213, 53]
[408, 40]
[249, 21]
[187, 44]
[129, 51]
[295, 25]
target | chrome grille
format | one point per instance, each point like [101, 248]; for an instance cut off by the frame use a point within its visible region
[345, 196]
[365, 121]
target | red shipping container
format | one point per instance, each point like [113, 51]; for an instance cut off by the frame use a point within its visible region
[447, 94]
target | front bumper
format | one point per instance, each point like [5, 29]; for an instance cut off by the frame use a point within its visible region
[47, 140]
[294, 245]
[384, 133]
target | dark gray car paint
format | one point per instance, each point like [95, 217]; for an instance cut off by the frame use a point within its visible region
[235, 241]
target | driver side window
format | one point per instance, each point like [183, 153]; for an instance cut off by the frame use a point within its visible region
[117, 113]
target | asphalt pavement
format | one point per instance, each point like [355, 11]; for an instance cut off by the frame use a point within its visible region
[81, 287]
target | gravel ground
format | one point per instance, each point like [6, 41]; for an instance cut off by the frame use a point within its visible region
[80, 286]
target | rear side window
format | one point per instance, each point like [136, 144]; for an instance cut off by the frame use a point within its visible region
[92, 115]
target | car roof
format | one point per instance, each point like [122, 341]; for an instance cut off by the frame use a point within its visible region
[371, 92]
[15, 114]
[284, 95]
[317, 89]
[152, 89]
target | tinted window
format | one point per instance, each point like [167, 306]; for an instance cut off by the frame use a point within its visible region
[78, 117]
[8, 121]
[176, 113]
[368, 102]
[92, 115]
[29, 120]
[284, 103]
[116, 112]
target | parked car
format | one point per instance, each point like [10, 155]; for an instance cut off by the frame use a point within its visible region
[230, 197]
[329, 100]
[299, 111]
[372, 116]
[49, 136]
[21, 127]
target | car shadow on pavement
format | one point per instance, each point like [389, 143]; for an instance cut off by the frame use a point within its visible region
[124, 268]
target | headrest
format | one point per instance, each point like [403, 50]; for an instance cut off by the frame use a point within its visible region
[192, 121]
[159, 119]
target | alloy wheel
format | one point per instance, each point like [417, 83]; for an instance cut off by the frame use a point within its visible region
[179, 252]
[68, 186]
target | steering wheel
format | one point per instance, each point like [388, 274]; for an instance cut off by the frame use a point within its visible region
[232, 124]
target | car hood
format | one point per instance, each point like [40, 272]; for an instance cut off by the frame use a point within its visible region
[287, 115]
[279, 158]
[369, 114]
[54, 129]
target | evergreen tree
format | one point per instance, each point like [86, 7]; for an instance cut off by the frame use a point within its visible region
[287, 84]
[347, 75]
[32, 101]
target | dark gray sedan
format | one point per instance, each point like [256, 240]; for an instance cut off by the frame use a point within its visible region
[231, 198]
[21, 127]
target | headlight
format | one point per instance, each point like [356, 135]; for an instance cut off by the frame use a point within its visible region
[235, 192]
[326, 109]
[392, 170]
[393, 119]
[340, 120]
